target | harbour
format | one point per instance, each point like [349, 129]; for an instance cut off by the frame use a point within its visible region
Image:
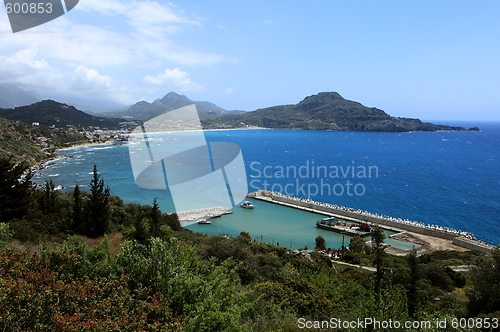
[457, 238]
[406, 186]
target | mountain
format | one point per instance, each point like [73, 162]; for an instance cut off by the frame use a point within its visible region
[325, 111]
[87, 105]
[50, 113]
[5, 104]
[143, 110]
[11, 96]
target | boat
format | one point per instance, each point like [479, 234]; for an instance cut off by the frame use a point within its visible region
[365, 227]
[344, 227]
[204, 222]
[247, 205]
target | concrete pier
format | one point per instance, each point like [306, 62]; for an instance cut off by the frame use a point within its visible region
[193, 215]
[459, 238]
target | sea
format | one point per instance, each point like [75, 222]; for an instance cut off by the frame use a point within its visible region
[446, 178]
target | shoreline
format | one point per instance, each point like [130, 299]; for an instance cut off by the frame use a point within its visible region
[41, 165]
[194, 130]
[80, 145]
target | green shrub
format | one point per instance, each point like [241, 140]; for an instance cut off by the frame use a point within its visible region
[34, 297]
[6, 233]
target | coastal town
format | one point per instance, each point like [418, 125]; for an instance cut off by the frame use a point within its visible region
[94, 134]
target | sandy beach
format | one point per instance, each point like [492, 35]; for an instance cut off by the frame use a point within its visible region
[42, 164]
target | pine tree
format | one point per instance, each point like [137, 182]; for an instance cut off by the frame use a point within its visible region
[378, 237]
[49, 197]
[77, 217]
[97, 207]
[139, 229]
[155, 221]
[15, 189]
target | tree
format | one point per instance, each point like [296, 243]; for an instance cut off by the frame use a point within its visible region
[413, 264]
[378, 237]
[49, 197]
[77, 217]
[97, 207]
[173, 222]
[320, 243]
[155, 225]
[484, 296]
[357, 244]
[15, 189]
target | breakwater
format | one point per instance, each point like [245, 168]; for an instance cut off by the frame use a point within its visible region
[193, 215]
[457, 237]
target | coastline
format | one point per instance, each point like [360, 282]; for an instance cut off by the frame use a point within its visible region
[131, 134]
[39, 166]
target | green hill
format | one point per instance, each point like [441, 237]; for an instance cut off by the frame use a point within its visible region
[325, 111]
[50, 113]
[17, 139]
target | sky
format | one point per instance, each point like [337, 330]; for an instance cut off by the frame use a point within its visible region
[434, 60]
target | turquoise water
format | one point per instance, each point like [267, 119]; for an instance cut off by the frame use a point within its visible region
[401, 244]
[273, 223]
[450, 179]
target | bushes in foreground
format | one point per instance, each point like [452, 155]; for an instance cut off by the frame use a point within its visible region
[37, 294]
[194, 284]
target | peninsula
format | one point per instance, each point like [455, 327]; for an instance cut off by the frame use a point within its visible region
[325, 111]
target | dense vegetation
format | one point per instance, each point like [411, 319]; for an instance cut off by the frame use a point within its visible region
[17, 139]
[325, 111]
[85, 261]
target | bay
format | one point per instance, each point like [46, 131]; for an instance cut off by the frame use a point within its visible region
[449, 179]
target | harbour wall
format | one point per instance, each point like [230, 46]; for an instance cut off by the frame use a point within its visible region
[458, 238]
[468, 244]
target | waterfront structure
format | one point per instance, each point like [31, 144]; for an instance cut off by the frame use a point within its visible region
[457, 237]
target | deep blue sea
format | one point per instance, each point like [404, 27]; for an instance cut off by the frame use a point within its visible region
[449, 179]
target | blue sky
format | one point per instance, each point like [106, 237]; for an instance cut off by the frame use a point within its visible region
[435, 60]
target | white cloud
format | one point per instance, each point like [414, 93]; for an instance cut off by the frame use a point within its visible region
[229, 91]
[105, 56]
[84, 79]
[23, 70]
[174, 78]
[109, 7]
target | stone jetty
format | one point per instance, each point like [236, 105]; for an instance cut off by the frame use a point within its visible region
[193, 215]
[457, 237]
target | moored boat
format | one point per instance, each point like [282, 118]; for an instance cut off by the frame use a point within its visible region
[247, 205]
[204, 222]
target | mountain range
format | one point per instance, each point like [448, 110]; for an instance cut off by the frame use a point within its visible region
[12, 96]
[144, 111]
[325, 111]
